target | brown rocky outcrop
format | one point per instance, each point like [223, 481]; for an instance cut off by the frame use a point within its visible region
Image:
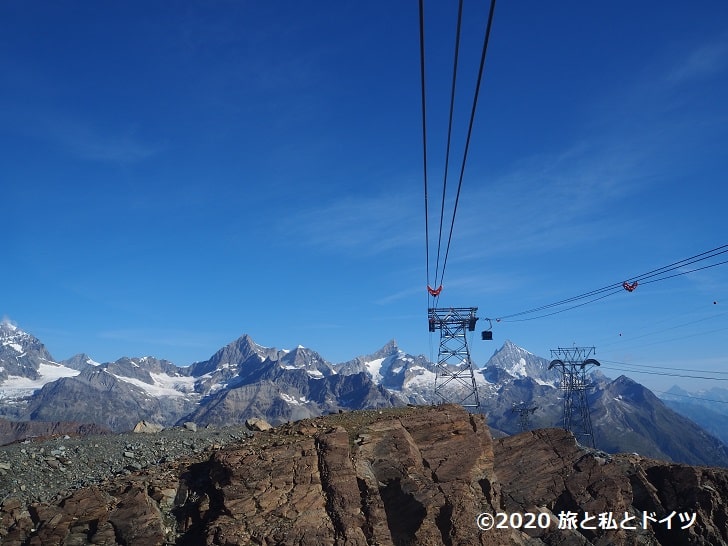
[145, 427]
[398, 476]
[15, 431]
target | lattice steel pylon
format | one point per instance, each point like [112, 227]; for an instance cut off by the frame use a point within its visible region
[573, 363]
[454, 375]
[524, 412]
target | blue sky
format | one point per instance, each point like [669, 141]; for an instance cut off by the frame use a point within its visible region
[176, 174]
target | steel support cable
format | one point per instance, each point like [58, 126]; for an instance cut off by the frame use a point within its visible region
[424, 134]
[602, 360]
[627, 340]
[616, 291]
[690, 396]
[486, 40]
[667, 374]
[449, 133]
[617, 287]
[682, 263]
[663, 342]
[686, 272]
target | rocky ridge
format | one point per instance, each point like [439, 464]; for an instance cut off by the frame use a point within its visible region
[413, 475]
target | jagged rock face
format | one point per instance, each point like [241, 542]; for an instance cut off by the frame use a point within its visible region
[21, 354]
[547, 468]
[400, 481]
[517, 362]
[416, 476]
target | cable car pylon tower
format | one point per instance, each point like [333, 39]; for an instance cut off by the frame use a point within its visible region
[574, 363]
[524, 412]
[454, 374]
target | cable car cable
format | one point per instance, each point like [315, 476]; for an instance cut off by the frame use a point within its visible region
[486, 40]
[424, 133]
[617, 287]
[449, 133]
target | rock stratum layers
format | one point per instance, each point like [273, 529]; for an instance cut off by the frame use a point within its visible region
[405, 476]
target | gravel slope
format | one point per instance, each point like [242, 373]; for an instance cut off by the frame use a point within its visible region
[41, 471]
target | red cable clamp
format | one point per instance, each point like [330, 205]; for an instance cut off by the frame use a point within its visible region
[434, 291]
[629, 287]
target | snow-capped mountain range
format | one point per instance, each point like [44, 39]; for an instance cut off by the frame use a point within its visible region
[25, 364]
[244, 379]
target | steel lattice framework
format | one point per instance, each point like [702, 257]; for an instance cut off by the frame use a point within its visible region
[454, 375]
[524, 412]
[574, 363]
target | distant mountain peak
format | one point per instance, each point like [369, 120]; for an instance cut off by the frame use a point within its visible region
[677, 391]
[9, 330]
[508, 345]
[246, 345]
[79, 362]
[21, 348]
[8, 325]
[387, 349]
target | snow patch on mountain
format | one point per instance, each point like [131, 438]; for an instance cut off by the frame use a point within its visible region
[518, 369]
[12, 345]
[287, 398]
[164, 385]
[15, 387]
[421, 377]
[374, 368]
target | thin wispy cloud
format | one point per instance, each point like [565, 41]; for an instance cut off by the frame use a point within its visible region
[87, 142]
[547, 202]
[703, 61]
[368, 225]
[400, 295]
[81, 139]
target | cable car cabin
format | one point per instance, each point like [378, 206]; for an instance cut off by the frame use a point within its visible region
[487, 335]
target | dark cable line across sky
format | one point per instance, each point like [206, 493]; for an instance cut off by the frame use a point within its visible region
[693, 397]
[687, 336]
[424, 134]
[617, 287]
[662, 330]
[449, 133]
[486, 40]
[434, 291]
[662, 367]
[667, 374]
